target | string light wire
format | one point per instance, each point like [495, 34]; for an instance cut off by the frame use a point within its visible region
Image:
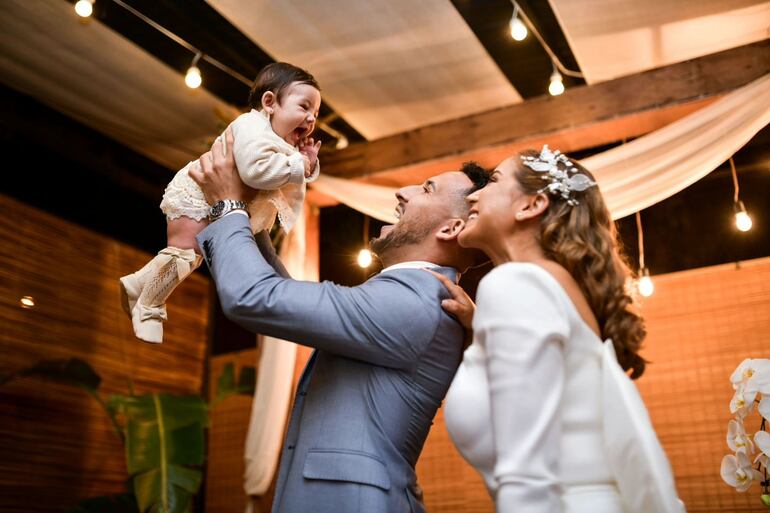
[181, 42]
[640, 234]
[342, 140]
[561, 67]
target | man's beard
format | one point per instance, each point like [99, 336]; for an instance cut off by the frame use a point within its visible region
[401, 235]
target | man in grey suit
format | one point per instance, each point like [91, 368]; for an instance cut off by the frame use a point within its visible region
[385, 354]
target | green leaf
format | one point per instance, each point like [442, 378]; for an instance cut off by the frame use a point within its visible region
[226, 381]
[247, 381]
[123, 503]
[164, 429]
[164, 436]
[73, 372]
[166, 490]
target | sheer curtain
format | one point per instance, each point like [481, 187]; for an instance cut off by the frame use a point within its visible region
[636, 175]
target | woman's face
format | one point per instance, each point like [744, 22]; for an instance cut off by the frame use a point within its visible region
[493, 209]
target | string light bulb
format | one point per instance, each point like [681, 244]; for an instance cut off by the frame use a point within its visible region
[742, 219]
[84, 8]
[342, 143]
[518, 29]
[644, 285]
[556, 86]
[193, 78]
[364, 258]
[27, 302]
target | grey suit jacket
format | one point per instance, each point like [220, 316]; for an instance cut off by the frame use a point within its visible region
[385, 355]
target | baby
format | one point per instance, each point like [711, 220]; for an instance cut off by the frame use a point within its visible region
[274, 153]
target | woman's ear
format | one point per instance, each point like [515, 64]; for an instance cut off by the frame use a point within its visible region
[450, 230]
[535, 206]
[268, 101]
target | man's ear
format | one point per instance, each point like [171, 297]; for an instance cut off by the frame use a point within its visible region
[450, 229]
[268, 101]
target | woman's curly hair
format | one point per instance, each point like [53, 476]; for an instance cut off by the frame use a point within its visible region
[583, 239]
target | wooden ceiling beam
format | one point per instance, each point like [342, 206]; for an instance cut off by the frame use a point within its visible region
[582, 117]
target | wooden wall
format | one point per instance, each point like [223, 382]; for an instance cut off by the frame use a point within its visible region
[227, 439]
[57, 446]
[702, 323]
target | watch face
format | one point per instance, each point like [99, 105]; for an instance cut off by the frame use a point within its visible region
[217, 209]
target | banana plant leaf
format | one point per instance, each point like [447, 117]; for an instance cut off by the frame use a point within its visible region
[164, 447]
[72, 372]
[226, 385]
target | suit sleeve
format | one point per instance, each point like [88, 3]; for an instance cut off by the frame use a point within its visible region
[265, 246]
[522, 326]
[384, 321]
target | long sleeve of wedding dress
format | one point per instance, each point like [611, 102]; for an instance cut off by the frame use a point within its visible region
[522, 326]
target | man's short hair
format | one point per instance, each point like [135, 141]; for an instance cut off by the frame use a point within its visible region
[479, 176]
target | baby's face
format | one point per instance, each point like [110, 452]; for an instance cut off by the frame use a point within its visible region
[294, 116]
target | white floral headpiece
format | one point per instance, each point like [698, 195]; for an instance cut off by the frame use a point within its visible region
[561, 183]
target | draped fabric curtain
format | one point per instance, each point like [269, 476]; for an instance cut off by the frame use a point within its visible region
[636, 175]
[272, 396]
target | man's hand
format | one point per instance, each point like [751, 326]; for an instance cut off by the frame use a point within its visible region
[309, 149]
[460, 305]
[217, 175]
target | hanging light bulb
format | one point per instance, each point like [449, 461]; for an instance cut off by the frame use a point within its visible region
[645, 285]
[342, 143]
[556, 87]
[84, 8]
[518, 29]
[193, 78]
[364, 258]
[742, 218]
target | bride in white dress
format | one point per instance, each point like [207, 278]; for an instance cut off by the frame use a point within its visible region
[541, 405]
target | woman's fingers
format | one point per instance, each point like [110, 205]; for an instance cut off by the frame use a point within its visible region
[455, 290]
[460, 305]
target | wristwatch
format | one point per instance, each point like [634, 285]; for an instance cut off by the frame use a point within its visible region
[222, 207]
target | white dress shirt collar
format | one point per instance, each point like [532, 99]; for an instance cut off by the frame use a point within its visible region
[417, 264]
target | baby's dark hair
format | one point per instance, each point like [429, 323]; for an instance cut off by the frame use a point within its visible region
[276, 77]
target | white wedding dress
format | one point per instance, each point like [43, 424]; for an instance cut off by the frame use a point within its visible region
[541, 408]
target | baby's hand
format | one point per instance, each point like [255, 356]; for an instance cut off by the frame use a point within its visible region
[309, 149]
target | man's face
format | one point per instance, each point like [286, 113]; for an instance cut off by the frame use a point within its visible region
[422, 209]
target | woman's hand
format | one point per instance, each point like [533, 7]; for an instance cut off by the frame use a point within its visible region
[460, 305]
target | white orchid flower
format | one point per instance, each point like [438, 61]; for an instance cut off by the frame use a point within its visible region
[762, 439]
[737, 439]
[737, 471]
[742, 402]
[764, 407]
[753, 373]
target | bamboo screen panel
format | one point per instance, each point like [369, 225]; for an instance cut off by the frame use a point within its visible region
[227, 439]
[702, 324]
[57, 445]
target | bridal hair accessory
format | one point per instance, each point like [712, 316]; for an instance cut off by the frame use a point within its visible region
[561, 183]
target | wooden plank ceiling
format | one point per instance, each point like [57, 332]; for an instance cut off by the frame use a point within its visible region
[387, 67]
